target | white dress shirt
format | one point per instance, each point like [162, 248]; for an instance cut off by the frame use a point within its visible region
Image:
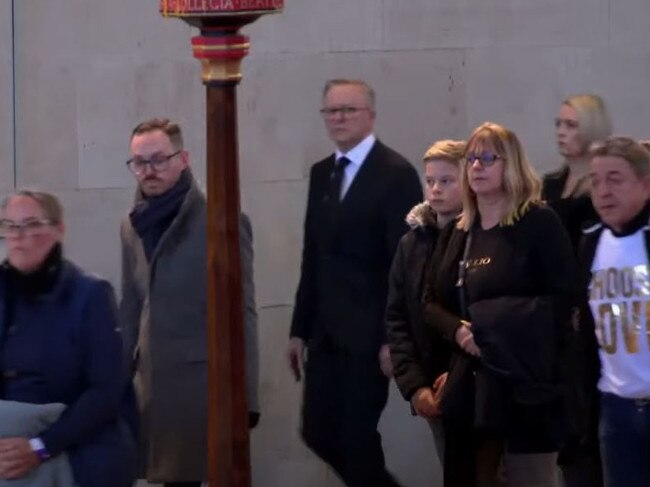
[357, 155]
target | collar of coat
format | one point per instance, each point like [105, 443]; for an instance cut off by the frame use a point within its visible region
[421, 216]
[193, 199]
[591, 237]
[641, 220]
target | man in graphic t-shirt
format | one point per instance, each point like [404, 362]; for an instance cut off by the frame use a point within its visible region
[615, 253]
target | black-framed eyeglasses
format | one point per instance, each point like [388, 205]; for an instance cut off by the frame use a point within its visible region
[486, 159]
[157, 163]
[28, 228]
[344, 110]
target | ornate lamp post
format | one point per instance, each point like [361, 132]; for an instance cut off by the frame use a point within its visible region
[220, 48]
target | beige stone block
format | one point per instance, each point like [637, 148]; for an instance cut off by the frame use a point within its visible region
[47, 52]
[173, 89]
[92, 237]
[138, 92]
[420, 98]
[277, 211]
[46, 124]
[85, 97]
[316, 26]
[82, 30]
[105, 123]
[281, 131]
[426, 24]
[628, 23]
[521, 88]
[6, 98]
[620, 75]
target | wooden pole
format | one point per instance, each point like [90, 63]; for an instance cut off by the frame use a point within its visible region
[228, 446]
[220, 48]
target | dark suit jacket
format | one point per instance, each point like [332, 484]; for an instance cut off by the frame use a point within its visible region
[341, 297]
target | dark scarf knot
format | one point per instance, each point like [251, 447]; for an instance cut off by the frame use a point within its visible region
[152, 216]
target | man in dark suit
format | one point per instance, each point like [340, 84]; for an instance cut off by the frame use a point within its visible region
[358, 200]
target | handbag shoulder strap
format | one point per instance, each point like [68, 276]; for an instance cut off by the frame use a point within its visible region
[462, 273]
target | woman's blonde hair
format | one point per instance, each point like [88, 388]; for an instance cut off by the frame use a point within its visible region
[447, 150]
[521, 184]
[593, 119]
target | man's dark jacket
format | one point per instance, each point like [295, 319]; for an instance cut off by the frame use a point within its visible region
[347, 253]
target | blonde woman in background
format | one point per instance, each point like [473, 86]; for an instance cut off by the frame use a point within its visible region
[582, 119]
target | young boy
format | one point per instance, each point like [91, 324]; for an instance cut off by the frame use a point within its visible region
[419, 357]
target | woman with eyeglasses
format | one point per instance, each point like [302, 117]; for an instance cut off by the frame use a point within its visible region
[63, 384]
[500, 291]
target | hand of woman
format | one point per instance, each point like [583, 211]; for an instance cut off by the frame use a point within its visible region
[424, 403]
[465, 340]
[17, 458]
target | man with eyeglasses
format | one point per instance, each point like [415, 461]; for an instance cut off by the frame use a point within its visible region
[164, 312]
[358, 200]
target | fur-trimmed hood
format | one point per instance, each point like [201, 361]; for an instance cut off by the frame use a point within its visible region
[421, 216]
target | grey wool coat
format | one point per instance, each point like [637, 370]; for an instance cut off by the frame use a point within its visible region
[163, 309]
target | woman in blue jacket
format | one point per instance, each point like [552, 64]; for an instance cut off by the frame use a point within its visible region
[60, 342]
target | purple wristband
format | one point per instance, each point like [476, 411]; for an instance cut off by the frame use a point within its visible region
[38, 447]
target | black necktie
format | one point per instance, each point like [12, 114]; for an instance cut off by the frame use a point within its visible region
[336, 180]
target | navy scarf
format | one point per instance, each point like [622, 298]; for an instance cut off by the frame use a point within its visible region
[152, 216]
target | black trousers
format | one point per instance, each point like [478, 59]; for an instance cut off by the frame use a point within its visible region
[344, 397]
[183, 484]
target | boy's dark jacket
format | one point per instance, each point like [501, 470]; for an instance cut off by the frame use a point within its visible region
[418, 355]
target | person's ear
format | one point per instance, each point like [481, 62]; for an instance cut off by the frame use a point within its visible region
[185, 158]
[59, 231]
